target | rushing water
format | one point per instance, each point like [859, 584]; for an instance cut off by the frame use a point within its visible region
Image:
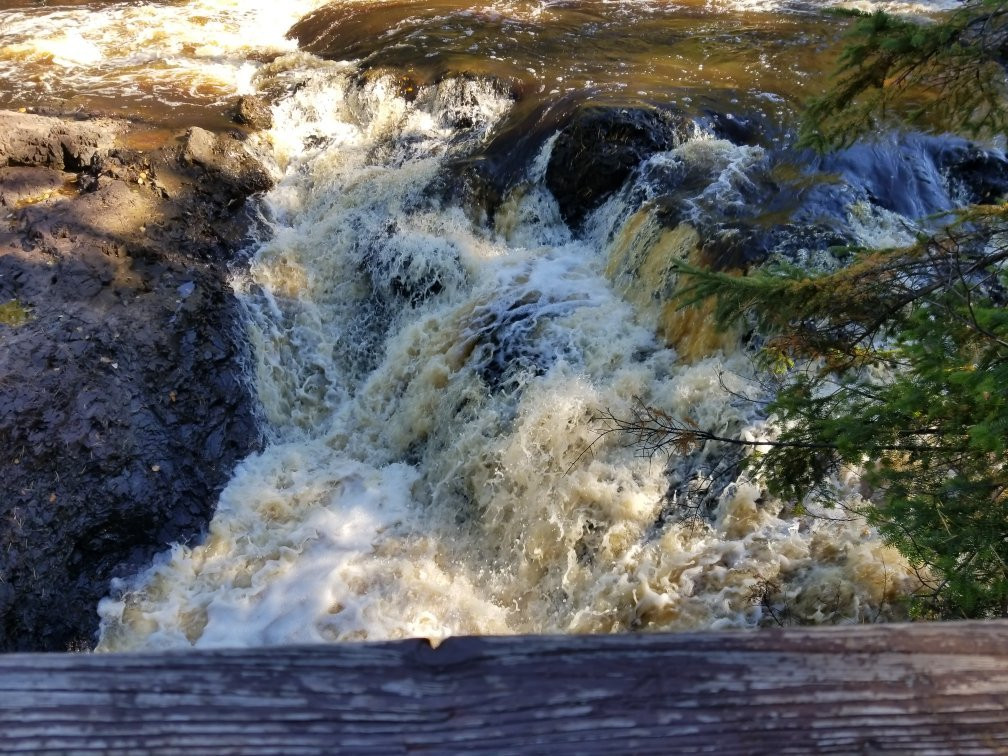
[429, 373]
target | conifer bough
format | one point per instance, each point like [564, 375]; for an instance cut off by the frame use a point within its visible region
[899, 361]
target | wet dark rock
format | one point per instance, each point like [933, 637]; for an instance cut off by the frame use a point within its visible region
[752, 203]
[504, 347]
[736, 246]
[122, 409]
[745, 130]
[741, 245]
[897, 174]
[478, 184]
[980, 175]
[789, 240]
[598, 150]
[915, 175]
[253, 112]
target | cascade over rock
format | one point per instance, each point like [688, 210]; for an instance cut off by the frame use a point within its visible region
[600, 147]
[466, 261]
[982, 175]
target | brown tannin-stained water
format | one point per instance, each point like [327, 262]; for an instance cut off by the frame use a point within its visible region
[171, 64]
[468, 263]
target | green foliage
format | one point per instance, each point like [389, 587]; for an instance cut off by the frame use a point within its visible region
[905, 357]
[931, 75]
[13, 313]
[898, 362]
[903, 354]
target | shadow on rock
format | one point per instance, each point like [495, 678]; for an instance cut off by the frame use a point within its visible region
[122, 407]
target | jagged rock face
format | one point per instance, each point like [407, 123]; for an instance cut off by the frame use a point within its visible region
[32, 140]
[122, 410]
[225, 164]
[599, 148]
[253, 112]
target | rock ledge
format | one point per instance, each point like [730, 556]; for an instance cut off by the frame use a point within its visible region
[122, 406]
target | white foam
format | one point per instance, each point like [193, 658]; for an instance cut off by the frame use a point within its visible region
[900, 7]
[427, 472]
[198, 48]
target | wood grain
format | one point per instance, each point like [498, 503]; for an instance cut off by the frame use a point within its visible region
[915, 689]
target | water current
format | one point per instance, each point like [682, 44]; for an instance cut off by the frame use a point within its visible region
[430, 364]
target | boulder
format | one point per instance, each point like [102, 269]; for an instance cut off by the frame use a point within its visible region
[226, 163]
[32, 140]
[600, 147]
[738, 129]
[253, 112]
[980, 175]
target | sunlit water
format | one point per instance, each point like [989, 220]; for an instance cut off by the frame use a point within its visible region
[429, 379]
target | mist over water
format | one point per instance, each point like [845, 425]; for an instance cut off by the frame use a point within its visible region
[429, 373]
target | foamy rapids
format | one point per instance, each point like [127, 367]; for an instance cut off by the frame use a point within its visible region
[205, 50]
[170, 52]
[429, 385]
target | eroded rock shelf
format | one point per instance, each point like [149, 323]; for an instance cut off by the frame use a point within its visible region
[122, 410]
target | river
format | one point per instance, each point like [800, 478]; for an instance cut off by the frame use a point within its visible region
[436, 329]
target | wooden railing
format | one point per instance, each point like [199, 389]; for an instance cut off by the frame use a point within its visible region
[914, 689]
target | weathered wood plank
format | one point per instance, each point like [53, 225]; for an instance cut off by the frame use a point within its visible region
[886, 688]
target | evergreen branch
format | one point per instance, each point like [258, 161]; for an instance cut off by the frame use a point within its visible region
[653, 430]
